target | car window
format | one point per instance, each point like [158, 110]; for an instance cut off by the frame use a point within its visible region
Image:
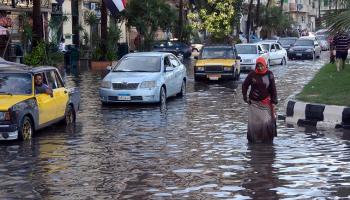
[278, 47]
[217, 53]
[174, 61]
[266, 46]
[273, 47]
[246, 49]
[51, 79]
[138, 64]
[259, 48]
[167, 62]
[59, 80]
[15, 83]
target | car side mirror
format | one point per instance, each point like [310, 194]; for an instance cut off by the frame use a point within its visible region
[169, 69]
[109, 68]
[195, 57]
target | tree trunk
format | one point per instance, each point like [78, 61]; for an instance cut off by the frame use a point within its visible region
[248, 20]
[257, 19]
[268, 3]
[104, 33]
[319, 9]
[37, 23]
[282, 1]
[180, 25]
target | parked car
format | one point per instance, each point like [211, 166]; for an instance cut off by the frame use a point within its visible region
[147, 77]
[22, 111]
[305, 48]
[249, 53]
[217, 62]
[179, 49]
[277, 54]
[287, 42]
[323, 41]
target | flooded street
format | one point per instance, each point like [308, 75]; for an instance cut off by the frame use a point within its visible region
[195, 149]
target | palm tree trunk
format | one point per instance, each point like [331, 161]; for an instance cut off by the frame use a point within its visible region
[181, 23]
[282, 1]
[248, 20]
[104, 33]
[268, 3]
[37, 23]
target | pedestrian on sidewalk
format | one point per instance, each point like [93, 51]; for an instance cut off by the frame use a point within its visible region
[341, 43]
[262, 100]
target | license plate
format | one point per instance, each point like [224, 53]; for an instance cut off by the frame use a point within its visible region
[299, 54]
[124, 98]
[214, 77]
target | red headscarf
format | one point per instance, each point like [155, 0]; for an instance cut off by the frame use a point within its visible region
[261, 61]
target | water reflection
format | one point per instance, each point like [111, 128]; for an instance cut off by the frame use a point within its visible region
[261, 178]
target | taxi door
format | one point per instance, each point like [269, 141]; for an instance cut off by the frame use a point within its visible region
[60, 93]
[46, 106]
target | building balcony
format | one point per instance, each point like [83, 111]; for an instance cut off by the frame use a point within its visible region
[23, 5]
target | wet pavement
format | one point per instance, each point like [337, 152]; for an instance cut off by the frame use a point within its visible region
[195, 149]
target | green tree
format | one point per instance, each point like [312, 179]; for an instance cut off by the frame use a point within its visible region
[275, 22]
[339, 20]
[147, 16]
[215, 17]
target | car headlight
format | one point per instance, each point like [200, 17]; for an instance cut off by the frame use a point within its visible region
[148, 84]
[106, 84]
[227, 68]
[4, 116]
[200, 68]
[309, 50]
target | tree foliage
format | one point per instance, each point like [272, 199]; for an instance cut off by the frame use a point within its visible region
[215, 17]
[147, 16]
[339, 20]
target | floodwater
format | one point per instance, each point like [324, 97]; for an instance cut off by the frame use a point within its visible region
[196, 148]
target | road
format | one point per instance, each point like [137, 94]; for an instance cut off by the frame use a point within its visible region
[195, 149]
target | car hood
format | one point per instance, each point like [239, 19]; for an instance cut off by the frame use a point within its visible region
[249, 56]
[302, 47]
[132, 77]
[7, 101]
[222, 62]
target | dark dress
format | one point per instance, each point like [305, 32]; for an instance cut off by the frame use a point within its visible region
[261, 120]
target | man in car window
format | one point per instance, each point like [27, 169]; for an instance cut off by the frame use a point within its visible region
[40, 87]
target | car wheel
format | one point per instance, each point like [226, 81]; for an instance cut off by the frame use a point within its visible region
[196, 78]
[26, 129]
[183, 89]
[162, 96]
[70, 115]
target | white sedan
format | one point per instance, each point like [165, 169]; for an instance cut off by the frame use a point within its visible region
[249, 53]
[277, 54]
[144, 77]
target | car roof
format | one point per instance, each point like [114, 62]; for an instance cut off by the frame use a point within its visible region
[218, 46]
[20, 68]
[266, 42]
[306, 38]
[248, 44]
[287, 38]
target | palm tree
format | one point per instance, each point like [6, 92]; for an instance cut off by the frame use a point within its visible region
[249, 19]
[92, 20]
[37, 22]
[104, 32]
[340, 19]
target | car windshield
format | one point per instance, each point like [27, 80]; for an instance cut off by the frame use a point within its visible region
[266, 46]
[287, 41]
[15, 83]
[139, 64]
[321, 37]
[304, 43]
[246, 49]
[217, 53]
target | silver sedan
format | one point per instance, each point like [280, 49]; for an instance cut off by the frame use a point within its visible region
[144, 77]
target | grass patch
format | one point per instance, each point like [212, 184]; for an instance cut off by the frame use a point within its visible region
[328, 87]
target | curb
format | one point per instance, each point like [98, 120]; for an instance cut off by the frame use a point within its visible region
[318, 115]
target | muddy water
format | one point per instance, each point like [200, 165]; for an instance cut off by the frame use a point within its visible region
[195, 149]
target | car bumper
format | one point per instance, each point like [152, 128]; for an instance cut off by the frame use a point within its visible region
[217, 75]
[8, 132]
[247, 67]
[300, 55]
[136, 96]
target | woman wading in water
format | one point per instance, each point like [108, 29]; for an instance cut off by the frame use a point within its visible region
[262, 100]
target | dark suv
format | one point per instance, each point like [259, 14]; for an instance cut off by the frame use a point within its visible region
[179, 49]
